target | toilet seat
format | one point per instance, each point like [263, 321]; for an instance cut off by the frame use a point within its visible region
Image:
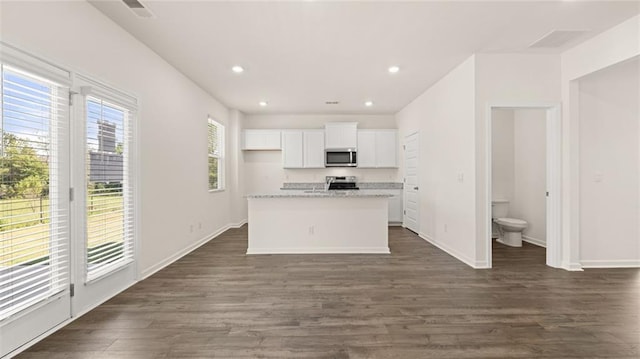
[512, 221]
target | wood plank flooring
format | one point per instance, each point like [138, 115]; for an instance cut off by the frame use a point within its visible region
[417, 302]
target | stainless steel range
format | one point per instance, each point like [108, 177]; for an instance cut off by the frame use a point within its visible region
[341, 182]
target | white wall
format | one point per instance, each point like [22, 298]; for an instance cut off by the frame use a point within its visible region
[173, 118]
[530, 173]
[263, 169]
[618, 44]
[508, 80]
[502, 154]
[445, 117]
[609, 166]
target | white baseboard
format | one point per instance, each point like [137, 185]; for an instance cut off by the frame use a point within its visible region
[452, 252]
[535, 241]
[239, 224]
[320, 250]
[167, 261]
[573, 267]
[615, 263]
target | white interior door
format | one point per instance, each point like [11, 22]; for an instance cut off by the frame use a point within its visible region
[34, 202]
[411, 195]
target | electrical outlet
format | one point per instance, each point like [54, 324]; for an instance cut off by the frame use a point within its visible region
[311, 230]
[191, 228]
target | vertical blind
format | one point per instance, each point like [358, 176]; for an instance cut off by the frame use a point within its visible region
[34, 246]
[109, 200]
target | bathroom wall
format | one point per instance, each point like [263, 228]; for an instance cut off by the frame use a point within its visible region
[502, 154]
[609, 166]
[519, 167]
[529, 191]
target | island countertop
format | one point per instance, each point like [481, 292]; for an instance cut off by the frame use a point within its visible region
[320, 194]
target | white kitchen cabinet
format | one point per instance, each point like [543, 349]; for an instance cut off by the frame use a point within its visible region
[341, 135]
[292, 149]
[313, 148]
[377, 148]
[395, 206]
[261, 140]
[386, 148]
[366, 149]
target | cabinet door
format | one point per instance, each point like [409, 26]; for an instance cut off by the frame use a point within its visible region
[386, 148]
[292, 149]
[366, 149]
[261, 140]
[395, 206]
[313, 149]
[341, 135]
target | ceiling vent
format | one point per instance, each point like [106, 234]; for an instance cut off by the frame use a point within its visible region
[138, 9]
[557, 38]
[331, 102]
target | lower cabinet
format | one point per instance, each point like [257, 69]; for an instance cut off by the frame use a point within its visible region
[395, 207]
[395, 204]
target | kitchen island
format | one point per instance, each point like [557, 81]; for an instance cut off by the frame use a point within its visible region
[318, 222]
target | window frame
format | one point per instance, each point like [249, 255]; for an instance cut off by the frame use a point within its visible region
[220, 155]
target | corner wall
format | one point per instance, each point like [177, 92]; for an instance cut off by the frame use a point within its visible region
[609, 166]
[614, 46]
[445, 117]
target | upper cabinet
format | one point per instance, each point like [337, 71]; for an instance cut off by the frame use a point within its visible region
[261, 140]
[313, 144]
[341, 135]
[303, 149]
[292, 148]
[377, 148]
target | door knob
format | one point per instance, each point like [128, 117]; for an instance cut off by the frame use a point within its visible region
[416, 188]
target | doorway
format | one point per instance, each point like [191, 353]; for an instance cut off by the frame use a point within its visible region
[526, 182]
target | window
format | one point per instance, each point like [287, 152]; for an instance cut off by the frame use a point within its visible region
[109, 185]
[216, 155]
[34, 252]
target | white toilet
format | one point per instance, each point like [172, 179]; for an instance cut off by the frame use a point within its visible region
[509, 229]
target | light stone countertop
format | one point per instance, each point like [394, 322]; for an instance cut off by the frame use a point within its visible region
[321, 194]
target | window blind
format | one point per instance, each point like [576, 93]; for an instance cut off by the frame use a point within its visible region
[109, 201]
[34, 246]
[215, 132]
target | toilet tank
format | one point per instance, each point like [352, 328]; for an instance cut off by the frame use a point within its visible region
[499, 208]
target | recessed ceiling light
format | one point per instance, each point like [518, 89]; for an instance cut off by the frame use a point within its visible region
[263, 103]
[368, 103]
[394, 69]
[237, 69]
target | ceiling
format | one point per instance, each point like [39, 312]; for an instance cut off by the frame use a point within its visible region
[298, 55]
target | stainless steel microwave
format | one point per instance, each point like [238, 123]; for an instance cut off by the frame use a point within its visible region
[340, 158]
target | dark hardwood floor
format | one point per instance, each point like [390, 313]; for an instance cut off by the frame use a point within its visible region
[417, 302]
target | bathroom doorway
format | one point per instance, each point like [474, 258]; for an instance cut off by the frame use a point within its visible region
[523, 180]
